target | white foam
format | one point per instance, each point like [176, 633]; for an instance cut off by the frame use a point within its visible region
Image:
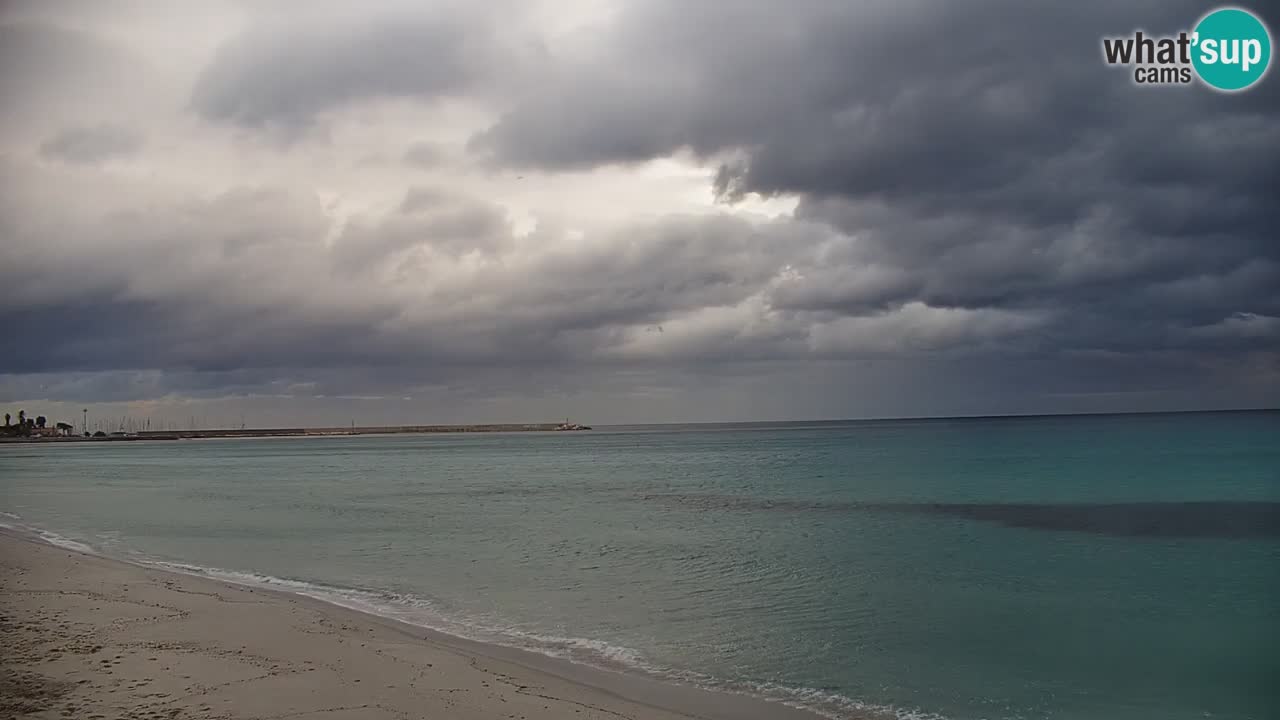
[586, 651]
[417, 611]
[834, 705]
[52, 538]
[420, 612]
[65, 542]
[600, 654]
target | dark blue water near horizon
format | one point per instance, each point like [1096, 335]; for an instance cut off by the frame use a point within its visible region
[1063, 567]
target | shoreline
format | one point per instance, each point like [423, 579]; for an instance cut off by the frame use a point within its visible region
[213, 615]
[244, 433]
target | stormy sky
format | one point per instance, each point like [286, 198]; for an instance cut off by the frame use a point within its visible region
[625, 211]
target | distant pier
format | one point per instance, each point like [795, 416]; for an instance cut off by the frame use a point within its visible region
[305, 432]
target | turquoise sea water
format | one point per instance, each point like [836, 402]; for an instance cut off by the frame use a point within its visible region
[1065, 567]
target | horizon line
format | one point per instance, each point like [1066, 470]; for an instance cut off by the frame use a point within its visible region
[992, 416]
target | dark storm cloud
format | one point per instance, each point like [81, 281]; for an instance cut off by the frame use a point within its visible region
[91, 145]
[976, 156]
[809, 86]
[994, 107]
[986, 213]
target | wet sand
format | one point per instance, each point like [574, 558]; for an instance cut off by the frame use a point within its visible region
[92, 638]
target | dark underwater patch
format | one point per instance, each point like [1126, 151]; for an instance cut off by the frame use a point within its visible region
[1205, 519]
[1197, 519]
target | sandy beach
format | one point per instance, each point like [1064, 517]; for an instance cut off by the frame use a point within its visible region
[94, 638]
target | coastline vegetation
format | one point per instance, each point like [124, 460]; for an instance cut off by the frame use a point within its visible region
[28, 426]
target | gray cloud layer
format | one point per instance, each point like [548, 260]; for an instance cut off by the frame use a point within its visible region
[91, 144]
[980, 203]
[283, 72]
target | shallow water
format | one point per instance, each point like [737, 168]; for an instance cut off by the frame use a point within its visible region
[1077, 567]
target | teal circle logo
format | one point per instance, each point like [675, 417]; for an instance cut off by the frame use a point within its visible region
[1231, 49]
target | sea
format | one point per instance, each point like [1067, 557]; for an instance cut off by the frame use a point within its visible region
[1064, 567]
